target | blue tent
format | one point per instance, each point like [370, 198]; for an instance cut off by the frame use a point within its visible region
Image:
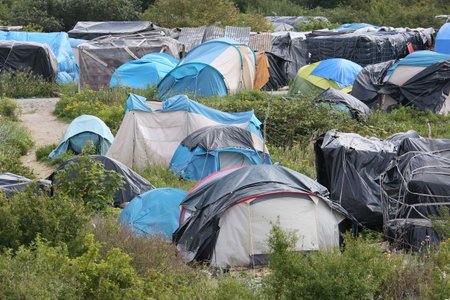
[83, 129]
[214, 148]
[342, 71]
[144, 72]
[59, 44]
[155, 212]
[217, 67]
[443, 39]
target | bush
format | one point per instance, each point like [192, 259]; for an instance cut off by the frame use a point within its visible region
[25, 85]
[8, 109]
[160, 176]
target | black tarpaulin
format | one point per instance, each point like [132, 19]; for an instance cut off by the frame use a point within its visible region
[357, 107]
[91, 30]
[277, 70]
[11, 183]
[411, 234]
[293, 50]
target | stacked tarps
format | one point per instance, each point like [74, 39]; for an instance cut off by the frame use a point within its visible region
[443, 39]
[143, 73]
[28, 57]
[154, 213]
[91, 30]
[345, 102]
[99, 58]
[150, 134]
[227, 217]
[292, 49]
[60, 46]
[365, 46]
[11, 184]
[133, 184]
[287, 23]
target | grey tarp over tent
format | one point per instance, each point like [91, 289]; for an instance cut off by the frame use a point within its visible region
[277, 70]
[295, 22]
[358, 108]
[293, 50]
[28, 56]
[91, 30]
[11, 183]
[213, 137]
[99, 58]
[133, 183]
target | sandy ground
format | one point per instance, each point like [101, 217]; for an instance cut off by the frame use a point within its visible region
[36, 115]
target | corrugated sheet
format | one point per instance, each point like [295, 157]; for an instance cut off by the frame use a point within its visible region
[239, 34]
[191, 36]
[261, 42]
[213, 32]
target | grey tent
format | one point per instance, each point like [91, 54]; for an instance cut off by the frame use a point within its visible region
[11, 183]
[91, 30]
[226, 218]
[357, 108]
[293, 49]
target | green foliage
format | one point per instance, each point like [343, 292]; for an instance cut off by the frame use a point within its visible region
[160, 176]
[8, 109]
[298, 157]
[442, 223]
[316, 24]
[43, 152]
[440, 279]
[33, 28]
[25, 85]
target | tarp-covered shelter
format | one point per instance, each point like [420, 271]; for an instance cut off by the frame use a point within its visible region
[133, 183]
[286, 23]
[11, 184]
[143, 73]
[154, 213]
[91, 30]
[218, 67]
[227, 217]
[84, 129]
[99, 58]
[28, 57]
[334, 73]
[151, 131]
[60, 46]
[213, 148]
[277, 71]
[443, 39]
[366, 46]
[293, 50]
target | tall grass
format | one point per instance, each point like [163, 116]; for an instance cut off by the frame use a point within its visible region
[26, 85]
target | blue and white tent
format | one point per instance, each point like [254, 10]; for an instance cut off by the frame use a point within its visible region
[59, 44]
[218, 67]
[83, 129]
[154, 213]
[144, 72]
[443, 39]
[211, 149]
[151, 131]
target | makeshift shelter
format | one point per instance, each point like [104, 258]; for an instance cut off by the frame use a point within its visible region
[355, 26]
[151, 131]
[366, 46]
[99, 58]
[277, 70]
[60, 46]
[443, 39]
[91, 30]
[154, 213]
[227, 217]
[214, 148]
[292, 48]
[11, 184]
[334, 73]
[28, 57]
[218, 67]
[133, 184]
[84, 129]
[287, 23]
[345, 102]
[144, 72]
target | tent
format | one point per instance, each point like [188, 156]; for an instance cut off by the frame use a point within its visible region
[345, 102]
[443, 39]
[218, 67]
[213, 148]
[277, 70]
[91, 30]
[144, 72]
[151, 131]
[133, 183]
[154, 213]
[11, 184]
[334, 73]
[227, 217]
[262, 74]
[27, 56]
[83, 129]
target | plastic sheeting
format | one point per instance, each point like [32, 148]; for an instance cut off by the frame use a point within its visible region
[11, 184]
[284, 23]
[133, 183]
[277, 70]
[411, 234]
[214, 137]
[443, 39]
[357, 108]
[91, 30]
[293, 50]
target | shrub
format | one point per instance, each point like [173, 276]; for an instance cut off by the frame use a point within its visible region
[160, 176]
[8, 109]
[25, 85]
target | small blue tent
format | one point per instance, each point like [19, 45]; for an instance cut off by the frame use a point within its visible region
[213, 148]
[144, 72]
[423, 58]
[155, 212]
[83, 129]
[443, 39]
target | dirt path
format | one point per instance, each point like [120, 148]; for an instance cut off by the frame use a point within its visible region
[36, 115]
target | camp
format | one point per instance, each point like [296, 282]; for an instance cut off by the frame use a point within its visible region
[143, 73]
[154, 213]
[227, 217]
[442, 44]
[151, 131]
[83, 129]
[214, 148]
[337, 73]
[218, 67]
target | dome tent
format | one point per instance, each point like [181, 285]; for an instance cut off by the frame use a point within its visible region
[144, 72]
[213, 148]
[226, 218]
[443, 39]
[155, 212]
[217, 67]
[83, 129]
[337, 73]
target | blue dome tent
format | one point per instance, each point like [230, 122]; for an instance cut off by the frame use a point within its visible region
[443, 39]
[155, 212]
[144, 72]
[83, 129]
